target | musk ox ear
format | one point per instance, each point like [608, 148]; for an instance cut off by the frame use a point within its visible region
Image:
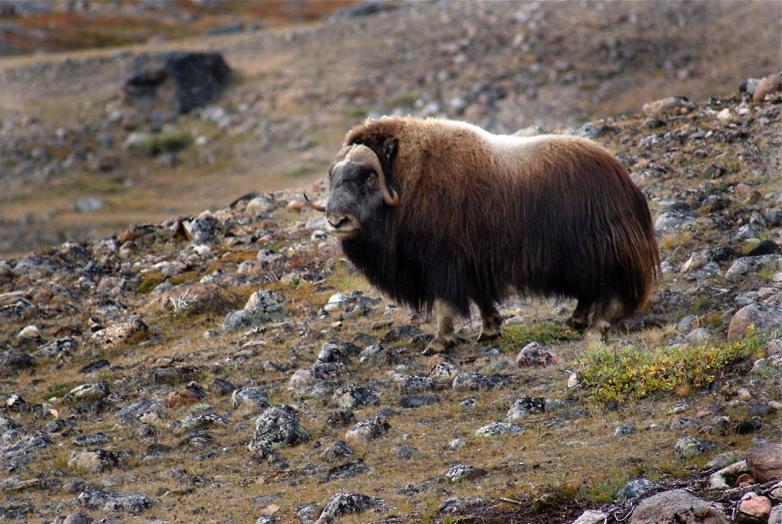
[390, 147]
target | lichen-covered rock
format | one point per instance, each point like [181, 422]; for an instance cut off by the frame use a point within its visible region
[496, 429]
[689, 447]
[276, 426]
[368, 429]
[93, 461]
[536, 354]
[461, 472]
[250, 400]
[196, 298]
[344, 504]
[88, 393]
[262, 307]
[128, 332]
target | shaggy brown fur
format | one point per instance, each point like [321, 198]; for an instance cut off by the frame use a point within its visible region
[480, 214]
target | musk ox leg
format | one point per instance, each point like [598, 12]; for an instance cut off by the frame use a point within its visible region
[491, 323]
[579, 320]
[445, 338]
[604, 314]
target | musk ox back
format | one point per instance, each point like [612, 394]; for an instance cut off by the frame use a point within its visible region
[438, 213]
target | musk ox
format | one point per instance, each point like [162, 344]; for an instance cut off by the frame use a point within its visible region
[439, 213]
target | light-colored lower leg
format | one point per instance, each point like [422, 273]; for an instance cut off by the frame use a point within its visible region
[445, 338]
[491, 323]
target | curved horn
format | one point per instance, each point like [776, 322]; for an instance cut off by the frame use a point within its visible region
[389, 194]
[312, 205]
[362, 153]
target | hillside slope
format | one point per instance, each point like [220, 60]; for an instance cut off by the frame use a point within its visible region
[138, 379]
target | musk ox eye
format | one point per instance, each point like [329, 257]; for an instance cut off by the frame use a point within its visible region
[371, 180]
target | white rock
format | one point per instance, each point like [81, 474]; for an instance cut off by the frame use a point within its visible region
[29, 332]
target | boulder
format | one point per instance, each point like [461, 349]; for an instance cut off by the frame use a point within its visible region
[765, 461]
[179, 80]
[677, 506]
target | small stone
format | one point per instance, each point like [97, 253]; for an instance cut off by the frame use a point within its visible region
[462, 472]
[128, 332]
[29, 332]
[698, 337]
[88, 204]
[591, 516]
[624, 429]
[635, 489]
[724, 459]
[455, 444]
[535, 354]
[262, 307]
[525, 407]
[187, 394]
[88, 393]
[497, 429]
[338, 450]
[689, 447]
[724, 115]
[670, 106]
[404, 452]
[418, 401]
[94, 461]
[367, 430]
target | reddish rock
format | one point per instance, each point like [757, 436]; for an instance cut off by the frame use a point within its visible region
[754, 509]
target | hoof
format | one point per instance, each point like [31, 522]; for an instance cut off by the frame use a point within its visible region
[488, 334]
[439, 345]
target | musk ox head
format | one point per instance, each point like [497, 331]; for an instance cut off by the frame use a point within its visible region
[360, 190]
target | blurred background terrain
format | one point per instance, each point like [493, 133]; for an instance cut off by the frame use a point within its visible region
[79, 159]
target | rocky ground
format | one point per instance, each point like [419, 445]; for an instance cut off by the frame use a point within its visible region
[232, 366]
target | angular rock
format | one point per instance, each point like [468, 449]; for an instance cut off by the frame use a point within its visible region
[344, 504]
[276, 426]
[367, 430]
[250, 400]
[201, 421]
[524, 407]
[262, 307]
[94, 461]
[128, 332]
[15, 361]
[347, 470]
[747, 265]
[689, 447]
[677, 506]
[635, 489]
[461, 472]
[88, 393]
[338, 450]
[178, 80]
[351, 397]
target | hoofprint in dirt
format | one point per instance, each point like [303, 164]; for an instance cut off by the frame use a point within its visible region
[78, 162]
[232, 366]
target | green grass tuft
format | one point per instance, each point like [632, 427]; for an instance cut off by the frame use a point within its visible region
[166, 142]
[625, 374]
[519, 335]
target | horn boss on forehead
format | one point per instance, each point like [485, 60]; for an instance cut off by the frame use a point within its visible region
[482, 214]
